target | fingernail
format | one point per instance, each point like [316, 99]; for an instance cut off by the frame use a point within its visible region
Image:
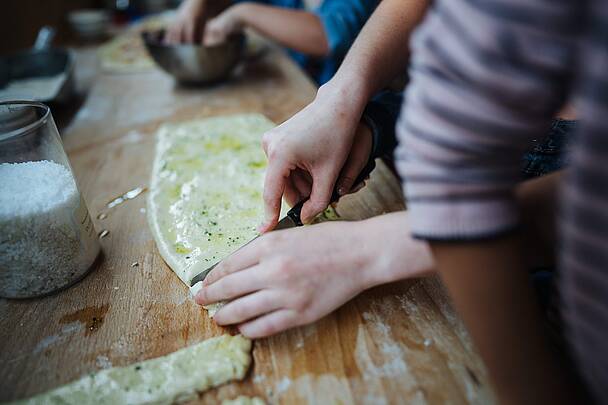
[198, 297]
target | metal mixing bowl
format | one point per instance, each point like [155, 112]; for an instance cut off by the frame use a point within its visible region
[192, 63]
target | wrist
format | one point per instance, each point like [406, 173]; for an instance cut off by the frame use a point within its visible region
[349, 101]
[240, 12]
[398, 258]
[354, 83]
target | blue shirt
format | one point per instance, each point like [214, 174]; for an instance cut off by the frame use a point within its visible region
[342, 20]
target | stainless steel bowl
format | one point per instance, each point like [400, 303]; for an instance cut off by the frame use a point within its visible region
[192, 63]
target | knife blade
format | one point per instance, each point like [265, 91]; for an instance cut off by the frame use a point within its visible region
[292, 218]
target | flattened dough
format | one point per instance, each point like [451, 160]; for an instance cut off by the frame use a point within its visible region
[126, 53]
[205, 197]
[173, 378]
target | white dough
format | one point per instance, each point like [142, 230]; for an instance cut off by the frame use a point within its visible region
[176, 377]
[205, 197]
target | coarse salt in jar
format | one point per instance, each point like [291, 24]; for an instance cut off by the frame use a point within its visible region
[47, 238]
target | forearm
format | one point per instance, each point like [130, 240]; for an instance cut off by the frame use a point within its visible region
[380, 51]
[489, 284]
[295, 29]
[392, 254]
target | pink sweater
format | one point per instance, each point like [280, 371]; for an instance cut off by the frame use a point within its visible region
[487, 76]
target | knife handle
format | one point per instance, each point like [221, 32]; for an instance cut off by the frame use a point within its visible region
[294, 212]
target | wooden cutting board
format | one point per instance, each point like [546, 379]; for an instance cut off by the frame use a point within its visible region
[399, 343]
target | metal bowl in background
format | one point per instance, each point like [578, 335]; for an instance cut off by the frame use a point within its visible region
[193, 63]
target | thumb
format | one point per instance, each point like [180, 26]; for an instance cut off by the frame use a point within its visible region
[320, 195]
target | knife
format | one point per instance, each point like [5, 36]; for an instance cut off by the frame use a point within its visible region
[292, 218]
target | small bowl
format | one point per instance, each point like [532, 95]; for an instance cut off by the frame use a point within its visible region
[193, 63]
[89, 23]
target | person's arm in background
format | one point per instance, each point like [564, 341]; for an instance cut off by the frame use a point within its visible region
[479, 92]
[188, 24]
[299, 30]
[318, 139]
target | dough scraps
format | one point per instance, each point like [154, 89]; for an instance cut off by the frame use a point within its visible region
[176, 377]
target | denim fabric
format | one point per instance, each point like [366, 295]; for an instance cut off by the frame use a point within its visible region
[550, 153]
[342, 20]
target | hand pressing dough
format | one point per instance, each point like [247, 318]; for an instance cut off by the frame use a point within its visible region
[176, 377]
[211, 308]
[205, 197]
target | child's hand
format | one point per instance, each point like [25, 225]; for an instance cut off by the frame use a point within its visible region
[307, 154]
[293, 277]
[218, 29]
[188, 24]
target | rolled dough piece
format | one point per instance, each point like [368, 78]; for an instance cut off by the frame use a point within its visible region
[243, 400]
[176, 377]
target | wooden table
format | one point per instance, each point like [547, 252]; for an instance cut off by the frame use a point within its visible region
[399, 343]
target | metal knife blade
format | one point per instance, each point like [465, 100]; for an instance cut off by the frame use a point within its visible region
[287, 222]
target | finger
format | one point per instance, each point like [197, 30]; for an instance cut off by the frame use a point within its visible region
[174, 34]
[245, 257]
[189, 33]
[292, 195]
[320, 195]
[231, 286]
[169, 36]
[353, 166]
[274, 185]
[302, 182]
[270, 324]
[248, 307]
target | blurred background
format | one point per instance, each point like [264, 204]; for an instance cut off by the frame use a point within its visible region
[20, 20]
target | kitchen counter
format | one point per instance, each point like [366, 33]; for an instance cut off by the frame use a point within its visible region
[399, 343]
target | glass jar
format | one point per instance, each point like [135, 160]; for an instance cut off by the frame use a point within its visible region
[47, 238]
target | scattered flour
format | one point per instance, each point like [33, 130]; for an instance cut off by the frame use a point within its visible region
[283, 385]
[103, 362]
[48, 240]
[65, 333]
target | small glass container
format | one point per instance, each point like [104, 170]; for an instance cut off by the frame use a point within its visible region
[47, 238]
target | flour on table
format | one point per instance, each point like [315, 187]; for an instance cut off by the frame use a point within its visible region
[176, 377]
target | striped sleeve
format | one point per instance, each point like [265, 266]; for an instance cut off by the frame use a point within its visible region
[486, 78]
[583, 277]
